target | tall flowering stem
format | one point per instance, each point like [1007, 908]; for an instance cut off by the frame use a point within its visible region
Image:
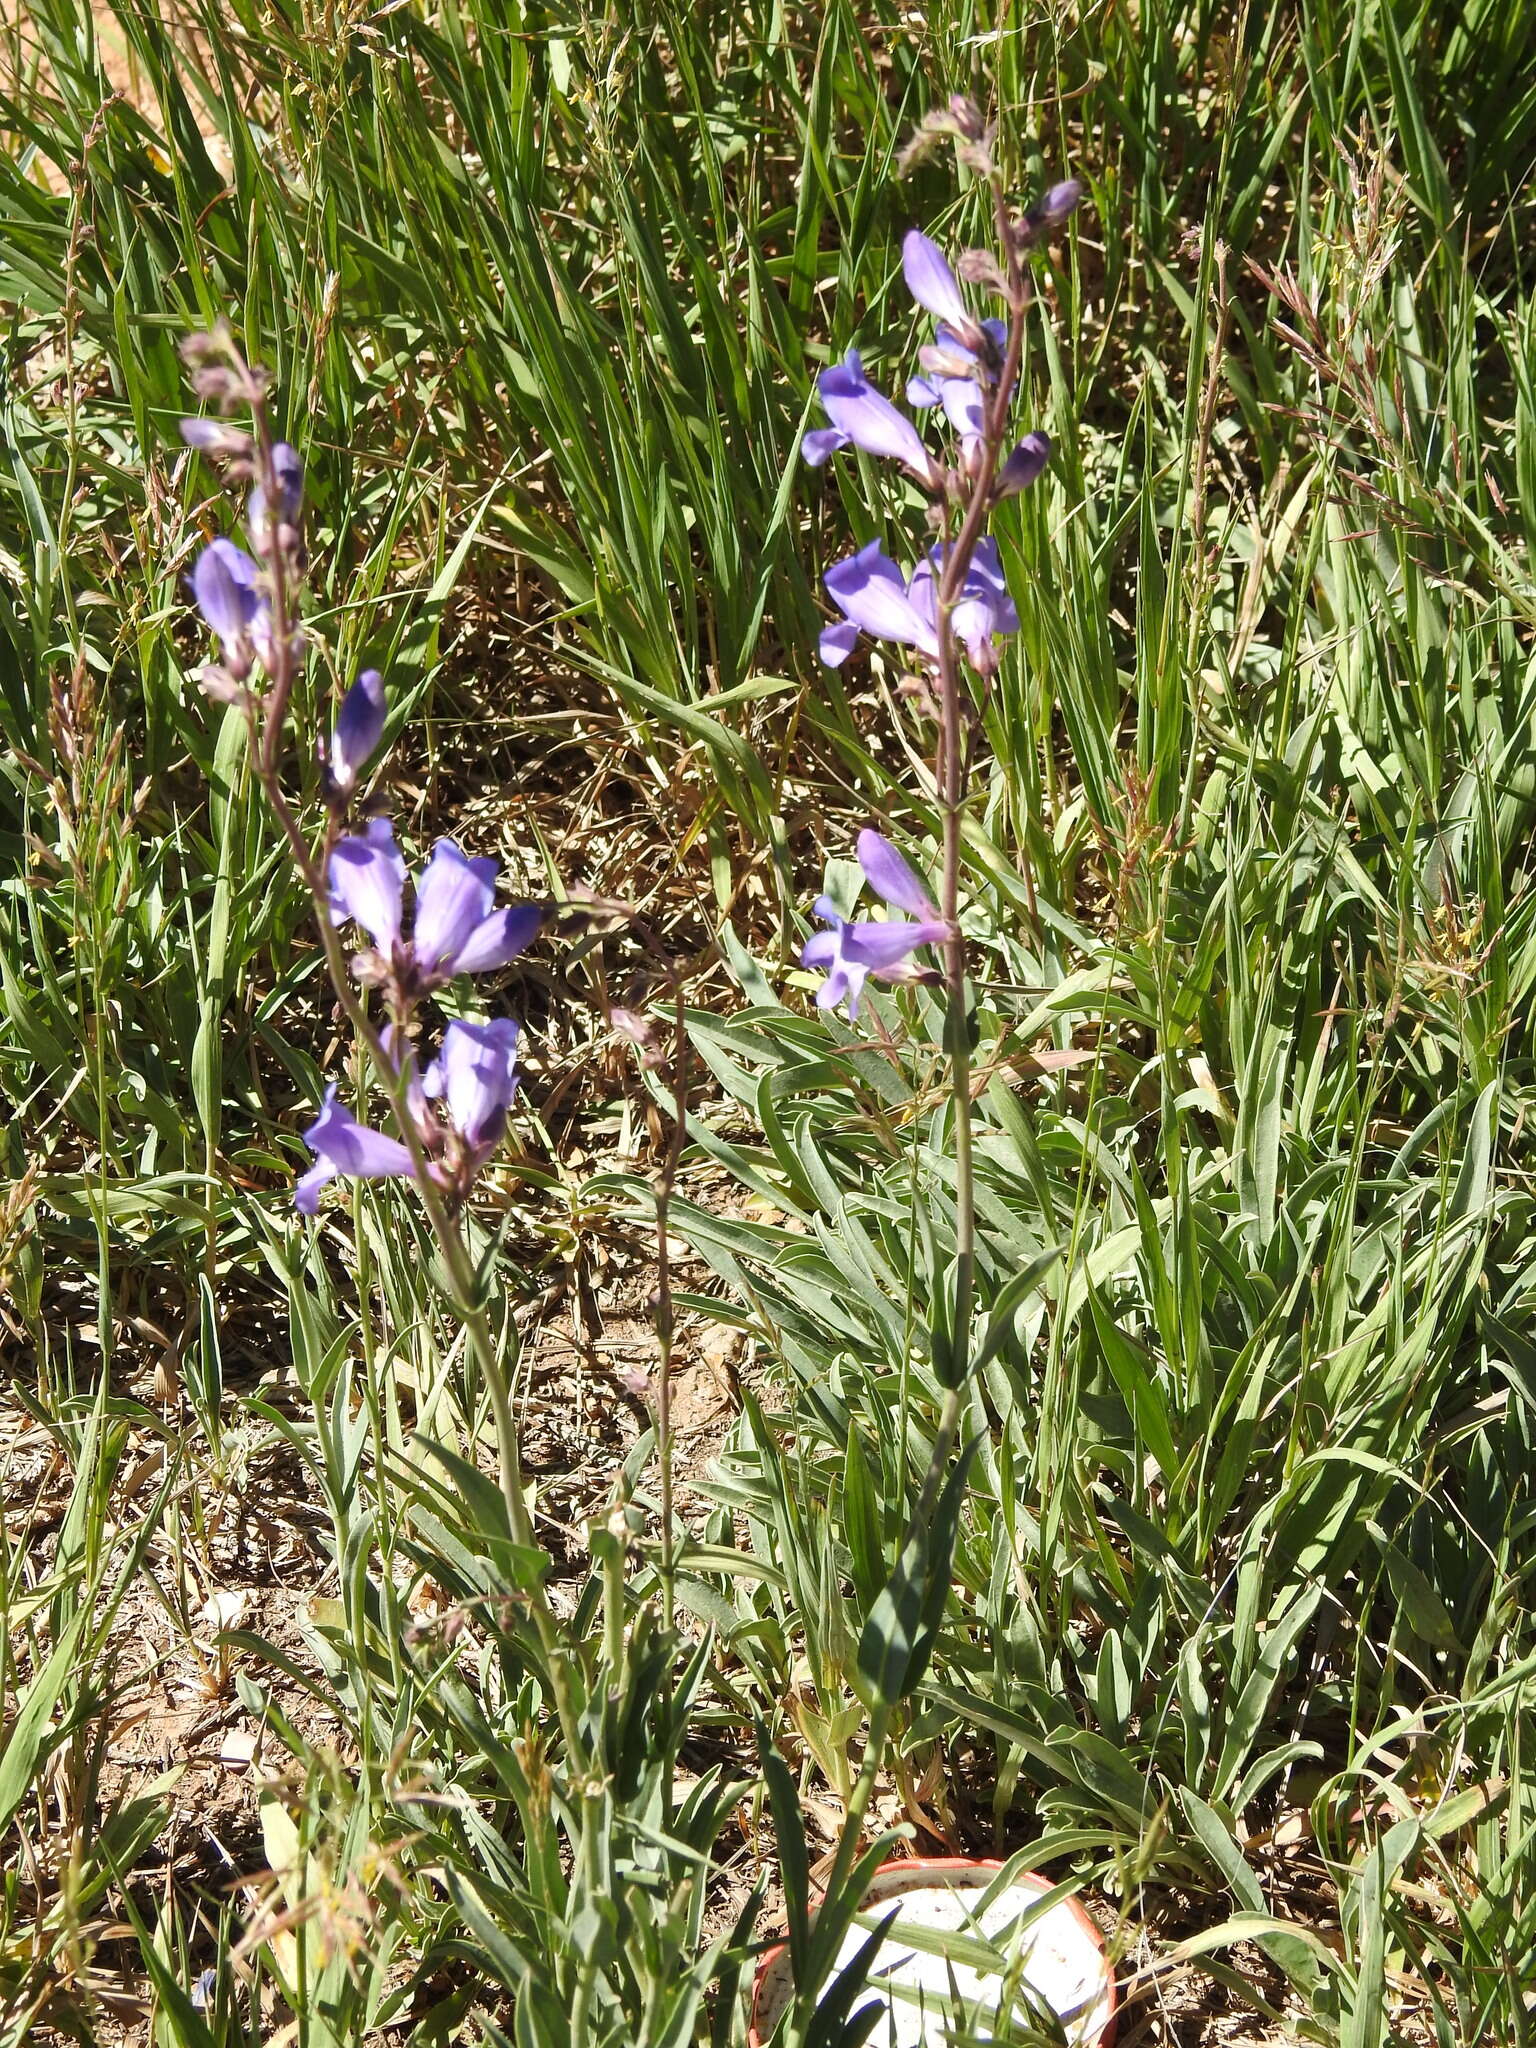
[642, 1033]
[959, 552]
[665, 1320]
[267, 626]
[950, 612]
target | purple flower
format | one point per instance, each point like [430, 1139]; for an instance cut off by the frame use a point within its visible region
[359, 729]
[457, 929]
[891, 875]
[342, 1145]
[367, 877]
[865, 418]
[869, 590]
[871, 593]
[226, 590]
[288, 472]
[934, 286]
[473, 1079]
[984, 609]
[958, 391]
[855, 948]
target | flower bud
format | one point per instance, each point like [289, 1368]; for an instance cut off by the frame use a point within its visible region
[288, 493]
[628, 1024]
[213, 381]
[359, 729]
[1025, 465]
[213, 437]
[980, 266]
[960, 121]
[1061, 201]
[966, 115]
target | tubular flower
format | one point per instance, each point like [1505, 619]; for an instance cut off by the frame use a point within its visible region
[342, 1145]
[855, 948]
[965, 353]
[457, 928]
[871, 593]
[985, 610]
[936, 289]
[959, 394]
[874, 598]
[863, 417]
[952, 379]
[473, 1080]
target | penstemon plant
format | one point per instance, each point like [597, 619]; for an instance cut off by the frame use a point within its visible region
[449, 1114]
[948, 615]
[447, 1105]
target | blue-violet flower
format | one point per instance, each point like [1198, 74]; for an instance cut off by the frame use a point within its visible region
[865, 418]
[225, 585]
[473, 1080]
[857, 947]
[457, 928]
[874, 598]
[935, 287]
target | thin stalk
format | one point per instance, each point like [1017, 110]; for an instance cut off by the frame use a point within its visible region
[665, 1321]
[848, 1845]
[959, 551]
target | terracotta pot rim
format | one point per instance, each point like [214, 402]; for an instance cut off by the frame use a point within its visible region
[940, 1864]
